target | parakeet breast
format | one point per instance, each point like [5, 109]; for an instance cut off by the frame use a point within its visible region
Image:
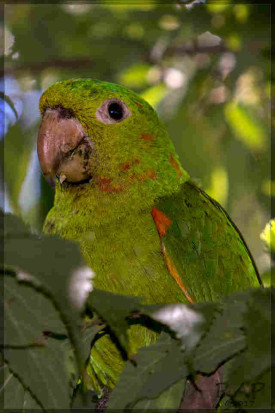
[124, 253]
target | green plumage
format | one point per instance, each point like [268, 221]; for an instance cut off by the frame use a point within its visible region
[144, 228]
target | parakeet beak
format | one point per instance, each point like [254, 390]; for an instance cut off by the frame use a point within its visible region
[63, 147]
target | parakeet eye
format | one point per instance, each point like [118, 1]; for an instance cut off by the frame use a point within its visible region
[112, 111]
[115, 111]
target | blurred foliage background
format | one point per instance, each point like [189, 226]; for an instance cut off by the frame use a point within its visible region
[206, 70]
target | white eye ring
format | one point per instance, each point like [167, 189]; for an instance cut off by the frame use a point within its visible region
[103, 115]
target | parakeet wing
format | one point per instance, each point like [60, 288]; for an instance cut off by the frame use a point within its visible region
[203, 249]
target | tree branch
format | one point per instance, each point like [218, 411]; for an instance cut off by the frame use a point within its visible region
[85, 62]
[37, 67]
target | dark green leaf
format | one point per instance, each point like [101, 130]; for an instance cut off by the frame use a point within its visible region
[155, 381]
[28, 314]
[89, 332]
[114, 309]
[255, 394]
[134, 378]
[225, 336]
[169, 399]
[247, 376]
[45, 371]
[50, 264]
[168, 371]
[13, 227]
[13, 395]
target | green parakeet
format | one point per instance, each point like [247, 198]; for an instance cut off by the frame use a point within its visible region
[143, 226]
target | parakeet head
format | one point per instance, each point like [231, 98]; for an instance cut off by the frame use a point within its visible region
[101, 137]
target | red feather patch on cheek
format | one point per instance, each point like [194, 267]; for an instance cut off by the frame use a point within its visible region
[162, 221]
[151, 174]
[126, 166]
[104, 185]
[147, 137]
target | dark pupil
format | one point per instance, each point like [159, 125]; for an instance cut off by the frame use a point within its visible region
[115, 111]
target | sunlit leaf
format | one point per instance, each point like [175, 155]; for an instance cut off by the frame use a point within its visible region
[135, 76]
[135, 30]
[245, 126]
[169, 22]
[217, 8]
[241, 12]
[155, 94]
[218, 188]
[233, 42]
[130, 5]
[268, 187]
[268, 236]
[268, 278]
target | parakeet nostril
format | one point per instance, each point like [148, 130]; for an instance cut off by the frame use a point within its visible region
[65, 113]
[59, 137]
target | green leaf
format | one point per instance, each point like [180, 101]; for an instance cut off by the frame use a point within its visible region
[13, 227]
[90, 400]
[257, 319]
[246, 126]
[268, 236]
[255, 394]
[134, 378]
[13, 395]
[247, 376]
[16, 149]
[44, 371]
[155, 94]
[135, 76]
[114, 309]
[168, 371]
[88, 334]
[268, 277]
[257, 325]
[28, 314]
[253, 365]
[155, 380]
[169, 399]
[51, 264]
[224, 338]
[42, 363]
